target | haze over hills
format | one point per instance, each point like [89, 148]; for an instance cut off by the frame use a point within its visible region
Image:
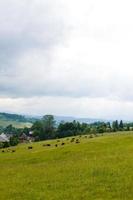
[18, 120]
[81, 120]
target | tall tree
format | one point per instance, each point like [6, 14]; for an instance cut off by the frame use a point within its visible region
[121, 126]
[48, 125]
[115, 125]
[37, 130]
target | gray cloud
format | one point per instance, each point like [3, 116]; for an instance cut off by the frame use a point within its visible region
[58, 50]
[25, 26]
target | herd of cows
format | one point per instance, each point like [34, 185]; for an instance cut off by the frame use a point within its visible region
[58, 143]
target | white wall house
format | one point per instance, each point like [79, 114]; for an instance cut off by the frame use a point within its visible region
[3, 138]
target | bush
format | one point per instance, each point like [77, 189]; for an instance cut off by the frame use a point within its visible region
[14, 141]
[1, 145]
[6, 144]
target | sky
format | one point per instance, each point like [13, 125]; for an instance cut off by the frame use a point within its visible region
[70, 58]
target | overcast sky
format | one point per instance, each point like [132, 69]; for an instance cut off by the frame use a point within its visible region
[67, 57]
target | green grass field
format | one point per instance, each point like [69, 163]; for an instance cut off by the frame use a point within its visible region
[100, 168]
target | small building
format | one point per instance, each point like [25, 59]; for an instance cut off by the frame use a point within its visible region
[23, 138]
[4, 138]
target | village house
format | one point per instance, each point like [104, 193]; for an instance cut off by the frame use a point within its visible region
[24, 138]
[4, 138]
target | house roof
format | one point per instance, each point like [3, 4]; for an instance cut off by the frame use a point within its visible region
[3, 138]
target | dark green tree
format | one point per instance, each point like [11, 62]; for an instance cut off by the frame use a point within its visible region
[121, 126]
[26, 131]
[14, 140]
[115, 125]
[48, 126]
[37, 130]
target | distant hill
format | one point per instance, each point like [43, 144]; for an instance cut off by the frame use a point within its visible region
[81, 120]
[14, 117]
[18, 121]
[5, 123]
[58, 119]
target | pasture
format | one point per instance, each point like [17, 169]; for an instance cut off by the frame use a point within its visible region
[98, 168]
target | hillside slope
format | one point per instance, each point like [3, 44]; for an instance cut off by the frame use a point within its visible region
[5, 123]
[18, 121]
[99, 168]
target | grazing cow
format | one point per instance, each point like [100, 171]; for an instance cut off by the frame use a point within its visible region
[13, 151]
[30, 147]
[62, 143]
[46, 145]
[77, 141]
[3, 151]
[72, 140]
[56, 145]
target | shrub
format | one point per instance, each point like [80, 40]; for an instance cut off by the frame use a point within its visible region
[14, 141]
[6, 144]
[1, 145]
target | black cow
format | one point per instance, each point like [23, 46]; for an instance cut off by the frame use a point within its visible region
[30, 147]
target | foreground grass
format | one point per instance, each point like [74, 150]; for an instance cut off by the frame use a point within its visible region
[99, 168]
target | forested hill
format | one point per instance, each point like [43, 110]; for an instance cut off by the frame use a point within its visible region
[25, 118]
[32, 119]
[14, 117]
[16, 120]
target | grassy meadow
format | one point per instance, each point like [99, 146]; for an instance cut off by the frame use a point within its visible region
[99, 168]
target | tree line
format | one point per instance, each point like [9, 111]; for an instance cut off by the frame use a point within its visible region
[47, 128]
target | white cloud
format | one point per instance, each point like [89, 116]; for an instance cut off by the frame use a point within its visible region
[68, 106]
[72, 55]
